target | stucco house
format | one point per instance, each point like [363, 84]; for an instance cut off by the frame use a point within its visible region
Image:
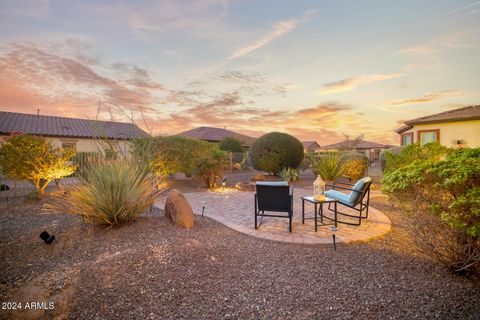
[80, 135]
[369, 148]
[453, 128]
[215, 135]
[310, 146]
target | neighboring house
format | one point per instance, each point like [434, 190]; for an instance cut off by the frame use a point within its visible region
[79, 135]
[454, 128]
[370, 149]
[211, 134]
[310, 146]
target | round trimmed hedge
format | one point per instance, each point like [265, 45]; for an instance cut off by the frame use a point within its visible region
[275, 151]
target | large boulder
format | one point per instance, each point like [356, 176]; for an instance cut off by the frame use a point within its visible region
[178, 210]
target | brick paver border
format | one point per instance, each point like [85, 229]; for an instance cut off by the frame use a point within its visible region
[235, 209]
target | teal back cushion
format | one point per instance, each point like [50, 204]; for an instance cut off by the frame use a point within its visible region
[361, 185]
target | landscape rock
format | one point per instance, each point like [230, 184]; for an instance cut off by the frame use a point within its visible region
[178, 210]
[258, 177]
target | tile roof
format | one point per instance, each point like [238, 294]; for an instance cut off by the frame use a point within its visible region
[67, 127]
[465, 113]
[216, 134]
[362, 144]
[307, 144]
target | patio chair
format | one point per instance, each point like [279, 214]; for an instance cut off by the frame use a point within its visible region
[276, 197]
[358, 199]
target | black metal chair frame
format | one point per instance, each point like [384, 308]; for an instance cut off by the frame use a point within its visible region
[363, 205]
[260, 210]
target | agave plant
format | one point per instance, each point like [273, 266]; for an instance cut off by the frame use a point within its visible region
[112, 192]
[329, 166]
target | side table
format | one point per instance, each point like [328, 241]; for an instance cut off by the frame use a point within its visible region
[319, 210]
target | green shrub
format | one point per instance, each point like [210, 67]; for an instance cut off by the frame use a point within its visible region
[355, 165]
[440, 191]
[383, 159]
[328, 165]
[114, 192]
[210, 169]
[410, 153]
[274, 151]
[290, 174]
[31, 158]
[231, 144]
[165, 155]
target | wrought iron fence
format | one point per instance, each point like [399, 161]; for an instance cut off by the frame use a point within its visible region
[10, 188]
[237, 160]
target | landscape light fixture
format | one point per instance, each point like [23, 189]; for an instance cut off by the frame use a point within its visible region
[333, 229]
[45, 236]
[203, 207]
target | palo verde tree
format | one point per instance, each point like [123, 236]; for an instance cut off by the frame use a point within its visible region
[31, 158]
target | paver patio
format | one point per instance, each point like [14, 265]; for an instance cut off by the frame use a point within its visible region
[235, 210]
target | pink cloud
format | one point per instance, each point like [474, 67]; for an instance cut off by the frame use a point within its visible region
[34, 75]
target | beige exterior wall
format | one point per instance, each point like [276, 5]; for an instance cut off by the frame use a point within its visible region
[86, 145]
[451, 132]
[91, 145]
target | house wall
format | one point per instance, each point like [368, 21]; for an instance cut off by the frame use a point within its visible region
[91, 145]
[86, 145]
[451, 132]
[311, 149]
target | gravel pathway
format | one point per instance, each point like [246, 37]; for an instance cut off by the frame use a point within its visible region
[152, 270]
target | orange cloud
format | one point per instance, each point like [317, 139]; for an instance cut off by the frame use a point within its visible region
[427, 98]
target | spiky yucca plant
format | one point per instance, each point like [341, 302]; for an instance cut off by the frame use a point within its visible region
[328, 166]
[112, 192]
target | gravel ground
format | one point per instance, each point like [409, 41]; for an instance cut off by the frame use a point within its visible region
[152, 270]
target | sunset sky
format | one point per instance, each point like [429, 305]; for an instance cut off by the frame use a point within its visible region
[315, 69]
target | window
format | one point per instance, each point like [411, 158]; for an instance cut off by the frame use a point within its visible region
[111, 149]
[406, 139]
[69, 145]
[427, 136]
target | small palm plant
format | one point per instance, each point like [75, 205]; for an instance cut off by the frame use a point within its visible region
[112, 192]
[329, 166]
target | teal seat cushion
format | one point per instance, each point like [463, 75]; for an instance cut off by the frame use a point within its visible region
[339, 196]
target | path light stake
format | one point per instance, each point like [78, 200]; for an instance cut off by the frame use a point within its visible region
[333, 229]
[203, 207]
[45, 236]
